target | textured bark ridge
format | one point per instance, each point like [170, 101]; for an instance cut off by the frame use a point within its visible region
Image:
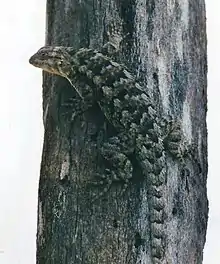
[149, 207]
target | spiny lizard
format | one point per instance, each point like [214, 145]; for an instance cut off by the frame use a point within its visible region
[141, 132]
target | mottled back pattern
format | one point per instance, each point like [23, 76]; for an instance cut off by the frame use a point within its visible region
[141, 132]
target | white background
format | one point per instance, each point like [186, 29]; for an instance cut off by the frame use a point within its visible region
[22, 28]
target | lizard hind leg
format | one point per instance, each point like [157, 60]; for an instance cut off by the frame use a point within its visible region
[176, 144]
[118, 169]
[173, 138]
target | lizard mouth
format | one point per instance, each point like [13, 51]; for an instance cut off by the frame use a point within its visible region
[32, 60]
[35, 61]
[45, 66]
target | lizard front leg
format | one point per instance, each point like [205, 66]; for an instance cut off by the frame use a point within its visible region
[73, 107]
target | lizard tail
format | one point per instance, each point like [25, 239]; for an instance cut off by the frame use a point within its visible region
[154, 168]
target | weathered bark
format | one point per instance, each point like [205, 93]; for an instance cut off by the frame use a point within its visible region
[165, 47]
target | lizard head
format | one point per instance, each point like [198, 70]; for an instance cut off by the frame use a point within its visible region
[55, 60]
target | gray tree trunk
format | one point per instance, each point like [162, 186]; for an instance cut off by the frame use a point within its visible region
[164, 46]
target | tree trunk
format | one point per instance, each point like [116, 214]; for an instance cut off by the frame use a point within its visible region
[164, 47]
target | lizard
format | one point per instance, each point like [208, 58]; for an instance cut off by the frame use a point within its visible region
[141, 132]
